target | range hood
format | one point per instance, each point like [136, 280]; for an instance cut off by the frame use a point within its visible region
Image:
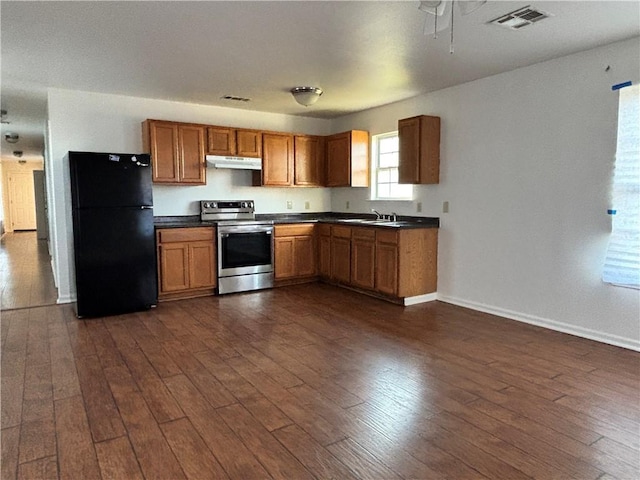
[239, 163]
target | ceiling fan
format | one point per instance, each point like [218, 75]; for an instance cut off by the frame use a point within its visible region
[441, 14]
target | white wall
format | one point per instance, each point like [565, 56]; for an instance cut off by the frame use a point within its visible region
[527, 158]
[111, 123]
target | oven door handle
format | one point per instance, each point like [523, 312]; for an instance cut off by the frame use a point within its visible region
[230, 230]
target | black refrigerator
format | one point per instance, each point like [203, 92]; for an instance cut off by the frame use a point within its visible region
[113, 234]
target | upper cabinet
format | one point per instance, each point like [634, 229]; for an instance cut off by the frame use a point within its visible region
[234, 141]
[348, 159]
[177, 151]
[419, 150]
[221, 141]
[309, 155]
[277, 161]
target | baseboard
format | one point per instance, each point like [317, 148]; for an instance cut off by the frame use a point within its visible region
[66, 299]
[427, 297]
[546, 323]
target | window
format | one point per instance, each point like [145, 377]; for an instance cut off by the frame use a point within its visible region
[385, 156]
[622, 263]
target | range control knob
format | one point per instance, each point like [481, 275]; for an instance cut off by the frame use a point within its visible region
[205, 205]
[244, 205]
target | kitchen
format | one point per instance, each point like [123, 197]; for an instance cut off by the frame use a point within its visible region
[521, 168]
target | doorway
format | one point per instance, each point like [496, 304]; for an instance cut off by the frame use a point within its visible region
[26, 276]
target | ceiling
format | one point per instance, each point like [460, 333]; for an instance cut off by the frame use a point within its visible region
[363, 54]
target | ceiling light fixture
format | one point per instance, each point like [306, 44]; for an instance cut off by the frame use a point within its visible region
[306, 96]
[12, 137]
[444, 9]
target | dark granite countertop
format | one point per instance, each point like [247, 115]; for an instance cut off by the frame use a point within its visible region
[359, 220]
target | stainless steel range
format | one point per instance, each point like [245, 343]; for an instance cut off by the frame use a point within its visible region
[245, 245]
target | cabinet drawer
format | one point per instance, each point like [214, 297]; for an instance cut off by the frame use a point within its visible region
[341, 232]
[324, 229]
[387, 235]
[363, 233]
[185, 234]
[294, 230]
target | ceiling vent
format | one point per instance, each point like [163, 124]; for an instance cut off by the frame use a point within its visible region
[235, 99]
[520, 18]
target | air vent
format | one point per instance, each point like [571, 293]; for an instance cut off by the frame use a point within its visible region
[522, 17]
[235, 99]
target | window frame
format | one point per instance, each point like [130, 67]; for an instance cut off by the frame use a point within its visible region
[375, 168]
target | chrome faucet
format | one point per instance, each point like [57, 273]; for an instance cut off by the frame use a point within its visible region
[379, 216]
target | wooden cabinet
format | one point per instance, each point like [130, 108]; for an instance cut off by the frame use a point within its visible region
[348, 159]
[419, 139]
[221, 141]
[186, 262]
[341, 254]
[406, 261]
[386, 262]
[295, 252]
[363, 254]
[177, 152]
[277, 161]
[249, 143]
[394, 263]
[234, 142]
[309, 164]
[324, 250]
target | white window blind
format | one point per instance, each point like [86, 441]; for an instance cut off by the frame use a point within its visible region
[622, 263]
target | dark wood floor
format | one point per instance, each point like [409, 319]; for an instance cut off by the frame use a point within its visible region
[311, 381]
[25, 272]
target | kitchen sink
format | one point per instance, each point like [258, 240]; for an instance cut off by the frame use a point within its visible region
[381, 223]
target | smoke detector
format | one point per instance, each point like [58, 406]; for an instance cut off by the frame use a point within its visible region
[523, 17]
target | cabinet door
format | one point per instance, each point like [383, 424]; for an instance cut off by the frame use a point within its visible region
[191, 143]
[249, 143]
[284, 257]
[363, 263]
[409, 144]
[386, 263]
[324, 256]
[277, 159]
[419, 161]
[202, 265]
[174, 267]
[341, 259]
[221, 141]
[305, 257]
[338, 160]
[163, 147]
[308, 160]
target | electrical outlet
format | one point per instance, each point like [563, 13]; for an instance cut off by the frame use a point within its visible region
[445, 207]
[419, 207]
[289, 204]
[347, 204]
[307, 205]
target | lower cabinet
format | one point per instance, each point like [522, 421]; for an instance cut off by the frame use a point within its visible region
[186, 262]
[363, 257]
[324, 250]
[295, 252]
[341, 254]
[391, 262]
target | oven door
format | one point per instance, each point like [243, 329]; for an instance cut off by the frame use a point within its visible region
[245, 249]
